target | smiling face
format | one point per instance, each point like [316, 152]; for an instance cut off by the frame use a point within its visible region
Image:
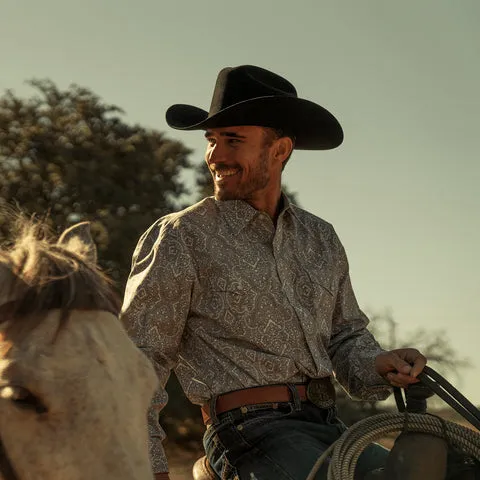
[245, 163]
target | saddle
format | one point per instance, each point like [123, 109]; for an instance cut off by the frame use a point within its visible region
[203, 471]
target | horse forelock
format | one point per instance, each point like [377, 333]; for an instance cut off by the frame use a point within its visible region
[46, 276]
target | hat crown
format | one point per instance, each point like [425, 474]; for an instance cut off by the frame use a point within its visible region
[239, 84]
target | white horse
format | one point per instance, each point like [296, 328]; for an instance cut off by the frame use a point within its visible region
[74, 389]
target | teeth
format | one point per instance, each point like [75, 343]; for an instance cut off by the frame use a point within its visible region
[225, 173]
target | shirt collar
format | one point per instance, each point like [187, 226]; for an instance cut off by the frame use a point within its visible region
[239, 214]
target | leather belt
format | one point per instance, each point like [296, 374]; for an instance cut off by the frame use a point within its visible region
[253, 396]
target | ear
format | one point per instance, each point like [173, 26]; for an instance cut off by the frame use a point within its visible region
[283, 148]
[78, 239]
[11, 286]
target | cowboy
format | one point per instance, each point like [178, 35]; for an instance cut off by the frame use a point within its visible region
[248, 298]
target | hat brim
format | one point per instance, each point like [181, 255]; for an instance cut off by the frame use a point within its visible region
[314, 127]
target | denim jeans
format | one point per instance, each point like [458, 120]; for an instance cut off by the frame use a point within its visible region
[279, 442]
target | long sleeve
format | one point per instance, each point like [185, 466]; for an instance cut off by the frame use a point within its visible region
[155, 310]
[352, 347]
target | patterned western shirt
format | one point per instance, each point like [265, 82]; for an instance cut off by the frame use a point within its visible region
[228, 300]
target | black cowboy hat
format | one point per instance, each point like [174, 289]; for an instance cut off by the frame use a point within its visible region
[249, 95]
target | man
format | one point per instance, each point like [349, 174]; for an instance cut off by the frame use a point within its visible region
[248, 297]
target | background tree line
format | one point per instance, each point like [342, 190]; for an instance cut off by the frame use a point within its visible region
[68, 156]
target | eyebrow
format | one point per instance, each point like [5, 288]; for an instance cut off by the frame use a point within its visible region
[209, 133]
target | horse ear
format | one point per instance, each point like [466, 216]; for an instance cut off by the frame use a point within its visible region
[11, 286]
[78, 239]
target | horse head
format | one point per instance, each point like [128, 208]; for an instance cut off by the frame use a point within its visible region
[74, 389]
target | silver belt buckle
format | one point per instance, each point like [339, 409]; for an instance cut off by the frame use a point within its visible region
[321, 392]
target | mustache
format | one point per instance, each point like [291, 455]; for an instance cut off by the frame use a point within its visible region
[222, 166]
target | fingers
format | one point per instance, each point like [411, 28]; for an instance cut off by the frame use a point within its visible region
[418, 365]
[400, 367]
[413, 358]
[389, 362]
[393, 383]
[399, 364]
[400, 380]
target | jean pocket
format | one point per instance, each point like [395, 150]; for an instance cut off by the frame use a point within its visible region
[217, 456]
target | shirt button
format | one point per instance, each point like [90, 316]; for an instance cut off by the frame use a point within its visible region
[240, 427]
[244, 410]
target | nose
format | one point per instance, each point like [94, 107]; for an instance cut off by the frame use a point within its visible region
[214, 153]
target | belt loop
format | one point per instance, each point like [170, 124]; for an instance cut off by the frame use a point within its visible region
[332, 414]
[213, 409]
[295, 397]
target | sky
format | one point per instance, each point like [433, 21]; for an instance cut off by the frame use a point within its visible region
[402, 78]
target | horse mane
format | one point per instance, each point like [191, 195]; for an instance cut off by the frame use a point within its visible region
[48, 275]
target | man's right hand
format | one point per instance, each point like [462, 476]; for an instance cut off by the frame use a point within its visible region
[162, 476]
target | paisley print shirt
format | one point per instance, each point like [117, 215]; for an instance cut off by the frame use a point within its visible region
[228, 300]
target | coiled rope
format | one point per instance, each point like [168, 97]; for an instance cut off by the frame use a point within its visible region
[346, 450]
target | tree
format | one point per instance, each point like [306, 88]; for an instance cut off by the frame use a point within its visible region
[69, 155]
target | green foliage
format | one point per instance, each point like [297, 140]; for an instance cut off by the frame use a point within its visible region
[67, 154]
